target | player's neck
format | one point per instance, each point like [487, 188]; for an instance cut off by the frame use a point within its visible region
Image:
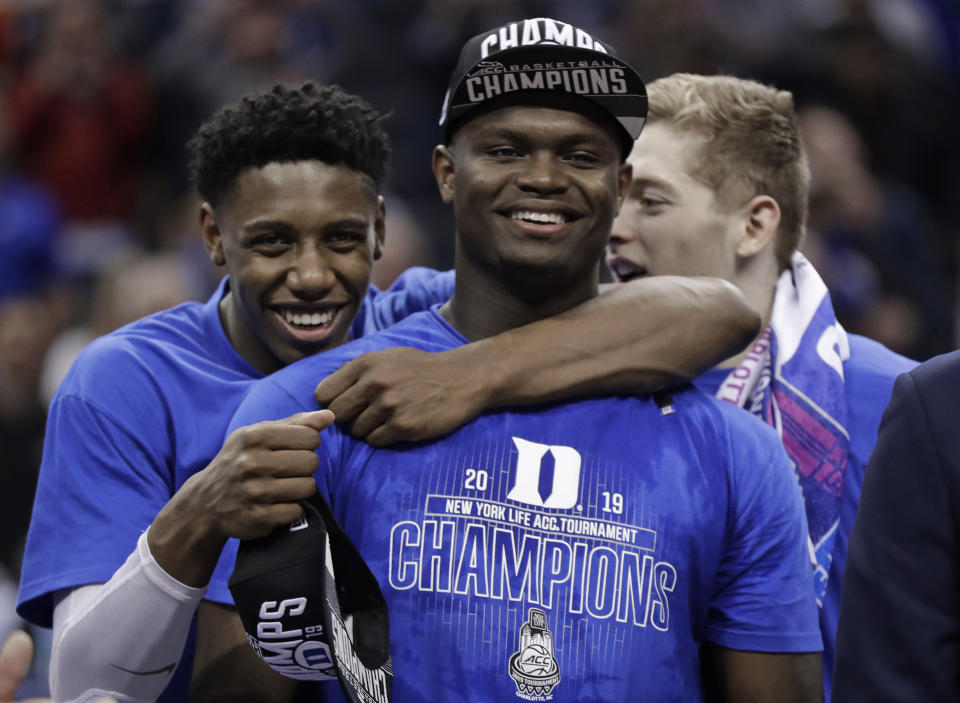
[484, 304]
[244, 339]
[760, 295]
[756, 277]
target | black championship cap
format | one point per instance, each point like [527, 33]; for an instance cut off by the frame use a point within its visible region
[548, 56]
[312, 609]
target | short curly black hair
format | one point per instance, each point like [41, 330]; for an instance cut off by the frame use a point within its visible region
[286, 123]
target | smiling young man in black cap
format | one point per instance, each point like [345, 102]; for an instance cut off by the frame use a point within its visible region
[611, 549]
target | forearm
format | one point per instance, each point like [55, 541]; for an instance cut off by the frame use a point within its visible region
[225, 667]
[125, 637]
[636, 337]
[183, 541]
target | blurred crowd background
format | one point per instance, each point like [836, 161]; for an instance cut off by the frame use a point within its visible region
[98, 224]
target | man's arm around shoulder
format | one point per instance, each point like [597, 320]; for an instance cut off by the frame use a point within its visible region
[635, 337]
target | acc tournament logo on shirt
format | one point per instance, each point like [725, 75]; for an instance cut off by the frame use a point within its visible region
[533, 667]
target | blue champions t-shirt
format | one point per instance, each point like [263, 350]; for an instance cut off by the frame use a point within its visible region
[868, 374]
[575, 552]
[141, 410]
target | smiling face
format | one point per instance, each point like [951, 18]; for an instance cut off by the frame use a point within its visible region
[670, 222]
[534, 189]
[298, 240]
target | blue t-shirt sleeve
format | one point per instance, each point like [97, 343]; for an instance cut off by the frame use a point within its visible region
[415, 290]
[100, 485]
[763, 598]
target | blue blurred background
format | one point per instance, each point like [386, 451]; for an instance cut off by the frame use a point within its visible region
[98, 225]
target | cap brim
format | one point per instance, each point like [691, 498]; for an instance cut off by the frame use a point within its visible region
[312, 609]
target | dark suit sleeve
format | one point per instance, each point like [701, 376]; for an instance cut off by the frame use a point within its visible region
[899, 618]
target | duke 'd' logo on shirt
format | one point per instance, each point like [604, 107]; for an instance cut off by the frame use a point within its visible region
[532, 483]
